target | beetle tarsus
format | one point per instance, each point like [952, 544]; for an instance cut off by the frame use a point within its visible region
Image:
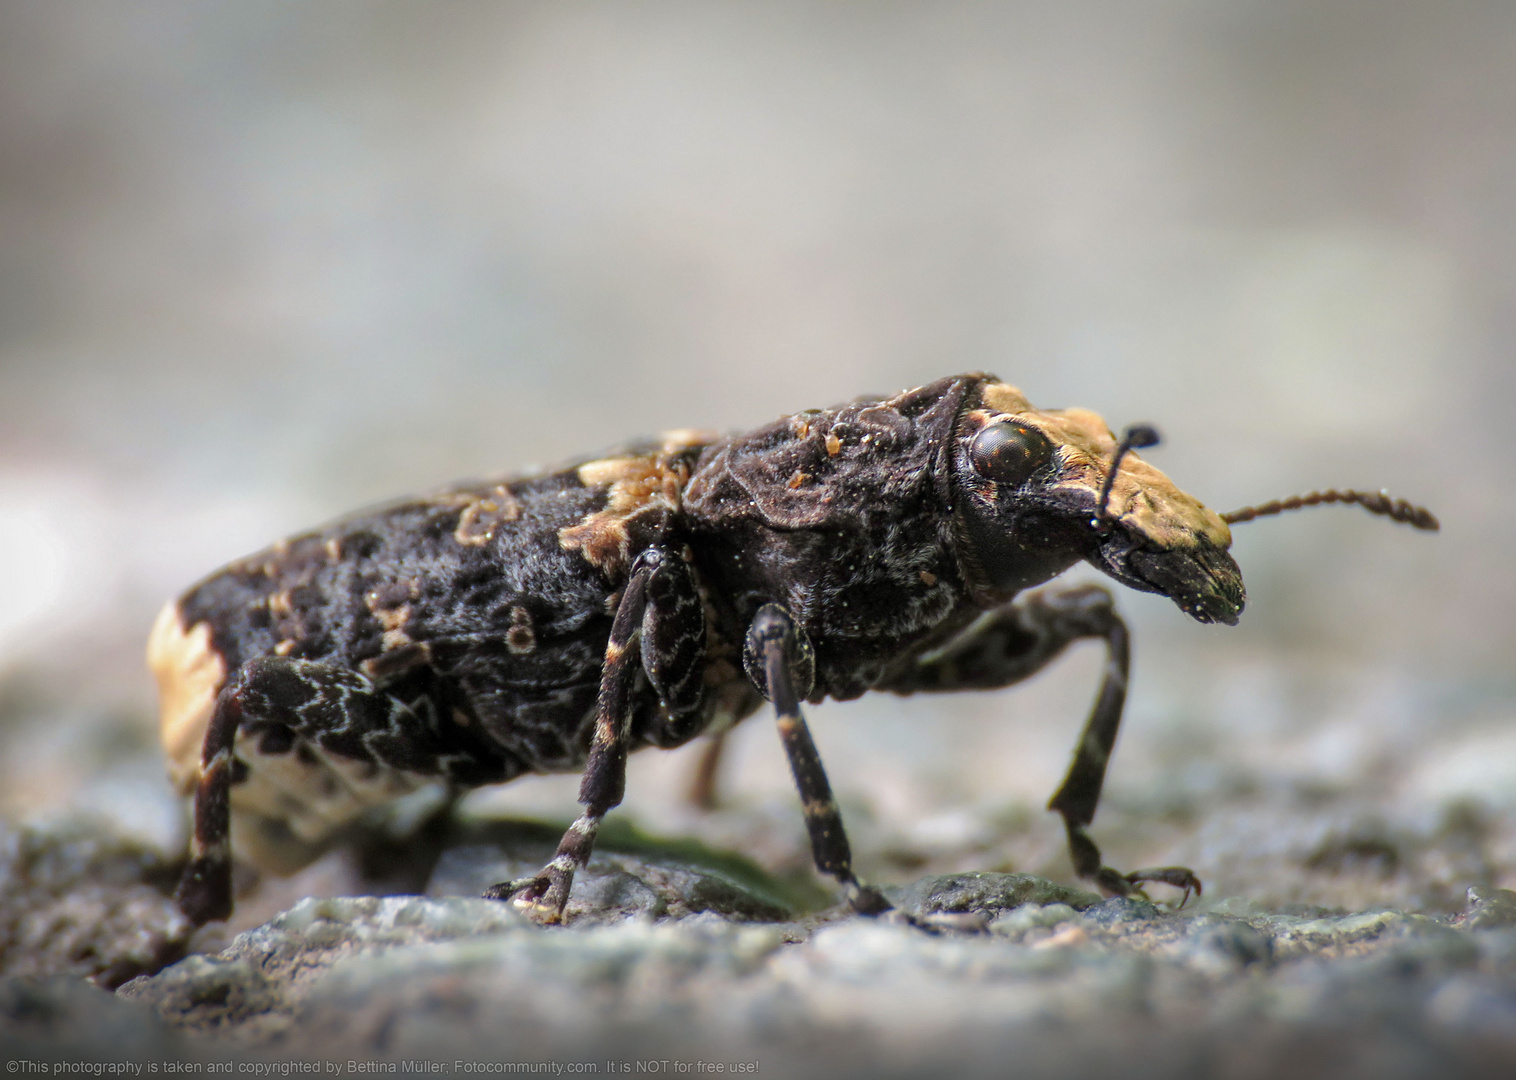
[541, 897]
[867, 900]
[527, 888]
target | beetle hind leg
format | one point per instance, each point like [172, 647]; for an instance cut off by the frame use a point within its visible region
[545, 894]
[205, 889]
[317, 745]
[702, 791]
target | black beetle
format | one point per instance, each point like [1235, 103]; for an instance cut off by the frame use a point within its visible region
[555, 622]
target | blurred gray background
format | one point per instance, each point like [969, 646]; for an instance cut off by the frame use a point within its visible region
[262, 263]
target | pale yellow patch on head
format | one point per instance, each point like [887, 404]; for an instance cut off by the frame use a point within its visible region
[1003, 397]
[190, 673]
[1146, 500]
[1142, 498]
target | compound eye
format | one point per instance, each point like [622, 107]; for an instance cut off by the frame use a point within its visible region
[1009, 452]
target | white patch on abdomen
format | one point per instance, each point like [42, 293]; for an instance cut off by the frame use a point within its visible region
[291, 804]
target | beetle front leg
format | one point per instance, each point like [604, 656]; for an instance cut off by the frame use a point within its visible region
[1077, 797]
[779, 660]
[1017, 641]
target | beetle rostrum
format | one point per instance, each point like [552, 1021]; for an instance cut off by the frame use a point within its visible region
[557, 622]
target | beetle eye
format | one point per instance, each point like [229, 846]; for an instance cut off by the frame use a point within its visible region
[1010, 452]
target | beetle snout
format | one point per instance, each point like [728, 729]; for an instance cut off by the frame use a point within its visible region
[1203, 580]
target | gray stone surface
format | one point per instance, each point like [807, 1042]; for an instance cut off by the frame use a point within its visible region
[1060, 990]
[76, 898]
[984, 894]
[255, 986]
[674, 951]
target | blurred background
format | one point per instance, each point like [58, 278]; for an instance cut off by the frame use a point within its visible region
[264, 263]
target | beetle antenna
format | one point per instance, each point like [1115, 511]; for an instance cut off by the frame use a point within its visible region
[1375, 502]
[1136, 437]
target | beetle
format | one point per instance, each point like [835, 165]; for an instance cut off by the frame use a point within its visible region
[556, 622]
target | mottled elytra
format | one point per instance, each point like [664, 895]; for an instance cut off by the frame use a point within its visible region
[556, 622]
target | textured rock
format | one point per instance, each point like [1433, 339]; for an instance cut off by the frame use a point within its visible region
[75, 898]
[1489, 908]
[985, 894]
[1120, 984]
[672, 951]
[256, 985]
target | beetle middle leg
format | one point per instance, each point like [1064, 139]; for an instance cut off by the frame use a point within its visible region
[660, 606]
[1016, 641]
[779, 660]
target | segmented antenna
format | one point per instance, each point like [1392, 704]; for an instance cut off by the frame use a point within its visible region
[1136, 437]
[1375, 502]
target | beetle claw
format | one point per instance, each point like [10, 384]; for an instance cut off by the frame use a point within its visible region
[522, 891]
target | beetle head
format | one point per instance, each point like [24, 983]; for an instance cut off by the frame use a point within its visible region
[1029, 483]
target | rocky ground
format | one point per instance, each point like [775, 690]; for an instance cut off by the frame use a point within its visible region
[677, 956]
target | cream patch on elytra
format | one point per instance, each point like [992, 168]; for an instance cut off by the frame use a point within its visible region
[190, 673]
[636, 484]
